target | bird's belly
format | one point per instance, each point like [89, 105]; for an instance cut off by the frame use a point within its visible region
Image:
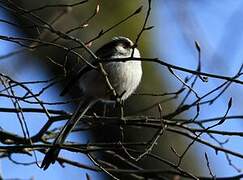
[126, 78]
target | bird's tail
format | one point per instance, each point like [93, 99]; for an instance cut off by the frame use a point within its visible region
[53, 152]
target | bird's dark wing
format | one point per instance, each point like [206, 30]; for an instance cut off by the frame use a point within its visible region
[74, 79]
[106, 51]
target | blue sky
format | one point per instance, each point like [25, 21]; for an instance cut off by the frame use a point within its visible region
[218, 29]
[30, 72]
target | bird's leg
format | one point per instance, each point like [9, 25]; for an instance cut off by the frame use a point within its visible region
[121, 105]
[104, 109]
[122, 133]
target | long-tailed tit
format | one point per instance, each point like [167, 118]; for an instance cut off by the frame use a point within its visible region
[122, 77]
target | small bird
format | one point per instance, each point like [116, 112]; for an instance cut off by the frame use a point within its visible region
[123, 77]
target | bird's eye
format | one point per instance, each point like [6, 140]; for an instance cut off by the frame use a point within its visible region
[126, 45]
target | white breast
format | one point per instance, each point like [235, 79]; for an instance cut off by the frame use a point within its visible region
[125, 76]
